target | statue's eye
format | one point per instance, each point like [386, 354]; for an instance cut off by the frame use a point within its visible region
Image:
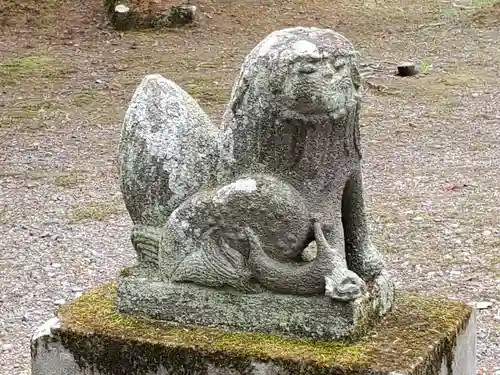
[339, 64]
[307, 69]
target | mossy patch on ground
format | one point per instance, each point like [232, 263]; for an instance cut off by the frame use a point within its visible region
[126, 272]
[15, 70]
[397, 343]
[207, 90]
[70, 180]
[30, 108]
[95, 211]
[85, 98]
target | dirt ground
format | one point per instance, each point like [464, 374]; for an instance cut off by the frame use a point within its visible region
[431, 142]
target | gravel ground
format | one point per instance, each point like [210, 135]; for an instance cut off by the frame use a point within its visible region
[430, 145]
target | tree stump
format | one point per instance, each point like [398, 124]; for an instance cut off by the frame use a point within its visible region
[122, 18]
[130, 14]
[177, 16]
[407, 69]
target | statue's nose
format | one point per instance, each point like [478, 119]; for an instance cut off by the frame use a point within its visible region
[329, 71]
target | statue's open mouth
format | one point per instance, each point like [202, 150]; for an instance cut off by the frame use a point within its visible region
[334, 103]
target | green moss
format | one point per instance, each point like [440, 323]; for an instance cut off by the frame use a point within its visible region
[95, 211]
[398, 342]
[69, 180]
[14, 70]
[207, 90]
[95, 312]
[30, 108]
[85, 98]
[126, 272]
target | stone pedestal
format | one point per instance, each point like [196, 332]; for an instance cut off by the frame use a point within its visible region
[141, 292]
[420, 336]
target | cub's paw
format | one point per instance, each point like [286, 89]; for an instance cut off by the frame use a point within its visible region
[146, 242]
[366, 262]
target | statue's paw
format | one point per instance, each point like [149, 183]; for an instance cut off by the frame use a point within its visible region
[146, 235]
[345, 286]
[146, 240]
[367, 263]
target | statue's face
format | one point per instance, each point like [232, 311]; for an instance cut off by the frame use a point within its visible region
[320, 83]
[286, 245]
[277, 240]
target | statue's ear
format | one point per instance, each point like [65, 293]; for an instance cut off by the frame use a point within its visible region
[357, 135]
[239, 94]
[355, 75]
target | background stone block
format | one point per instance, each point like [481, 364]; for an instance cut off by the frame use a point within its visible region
[137, 14]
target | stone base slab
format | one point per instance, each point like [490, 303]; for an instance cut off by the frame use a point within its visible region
[423, 336]
[317, 317]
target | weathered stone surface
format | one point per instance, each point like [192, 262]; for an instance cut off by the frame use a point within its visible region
[279, 314]
[235, 208]
[167, 150]
[421, 336]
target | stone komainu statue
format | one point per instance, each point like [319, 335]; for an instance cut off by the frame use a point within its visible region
[236, 207]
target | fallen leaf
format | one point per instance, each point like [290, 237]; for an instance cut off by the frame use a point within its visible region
[454, 187]
[482, 305]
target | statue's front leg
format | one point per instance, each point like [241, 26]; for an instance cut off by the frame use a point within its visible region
[341, 284]
[361, 255]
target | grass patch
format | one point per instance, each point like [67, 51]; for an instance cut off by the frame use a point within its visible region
[17, 69]
[30, 108]
[207, 90]
[70, 180]
[22, 67]
[425, 67]
[95, 212]
[85, 98]
[4, 217]
[125, 272]
[461, 10]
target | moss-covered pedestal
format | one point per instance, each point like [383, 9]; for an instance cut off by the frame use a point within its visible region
[142, 292]
[420, 336]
